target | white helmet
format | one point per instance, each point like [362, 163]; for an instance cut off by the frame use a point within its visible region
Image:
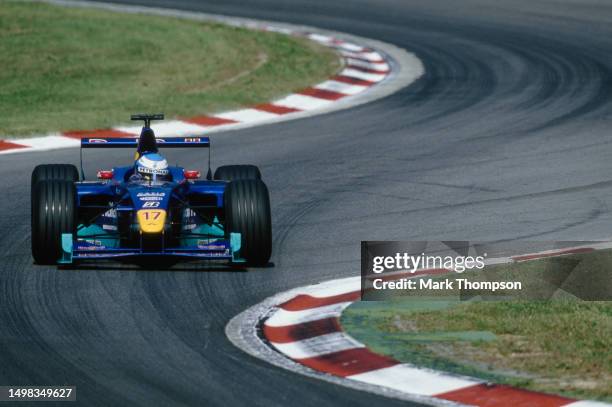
[152, 166]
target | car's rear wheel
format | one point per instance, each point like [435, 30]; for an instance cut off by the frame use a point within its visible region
[247, 211]
[53, 213]
[235, 172]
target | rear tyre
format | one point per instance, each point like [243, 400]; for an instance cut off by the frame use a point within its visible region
[235, 172]
[247, 211]
[53, 213]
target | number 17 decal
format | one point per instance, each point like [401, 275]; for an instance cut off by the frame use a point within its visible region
[151, 220]
[152, 215]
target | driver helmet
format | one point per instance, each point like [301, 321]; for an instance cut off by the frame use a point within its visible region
[152, 167]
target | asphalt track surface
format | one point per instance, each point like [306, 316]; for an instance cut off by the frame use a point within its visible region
[507, 136]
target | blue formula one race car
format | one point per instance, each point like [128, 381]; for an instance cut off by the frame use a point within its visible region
[149, 209]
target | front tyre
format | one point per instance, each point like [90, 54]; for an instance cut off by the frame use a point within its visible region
[64, 172]
[44, 172]
[247, 211]
[53, 213]
[236, 172]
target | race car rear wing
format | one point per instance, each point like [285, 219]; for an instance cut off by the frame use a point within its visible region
[169, 142]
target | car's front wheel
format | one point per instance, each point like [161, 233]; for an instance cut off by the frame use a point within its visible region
[65, 172]
[247, 211]
[53, 213]
[62, 172]
[236, 172]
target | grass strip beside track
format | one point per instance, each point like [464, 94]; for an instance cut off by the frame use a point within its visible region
[559, 346]
[71, 68]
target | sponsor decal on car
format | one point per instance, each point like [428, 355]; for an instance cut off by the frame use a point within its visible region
[217, 254]
[145, 194]
[203, 244]
[156, 171]
[151, 198]
[91, 244]
[111, 213]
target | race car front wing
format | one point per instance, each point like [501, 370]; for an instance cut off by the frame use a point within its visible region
[221, 249]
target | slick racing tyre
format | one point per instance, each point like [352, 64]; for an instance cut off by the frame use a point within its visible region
[247, 211]
[53, 213]
[234, 172]
[66, 172]
[62, 172]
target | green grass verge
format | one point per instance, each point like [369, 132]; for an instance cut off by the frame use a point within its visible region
[559, 346]
[70, 68]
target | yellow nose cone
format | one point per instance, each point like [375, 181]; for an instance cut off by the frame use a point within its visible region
[151, 220]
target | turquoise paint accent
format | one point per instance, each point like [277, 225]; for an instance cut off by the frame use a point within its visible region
[214, 230]
[66, 249]
[235, 245]
[92, 230]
